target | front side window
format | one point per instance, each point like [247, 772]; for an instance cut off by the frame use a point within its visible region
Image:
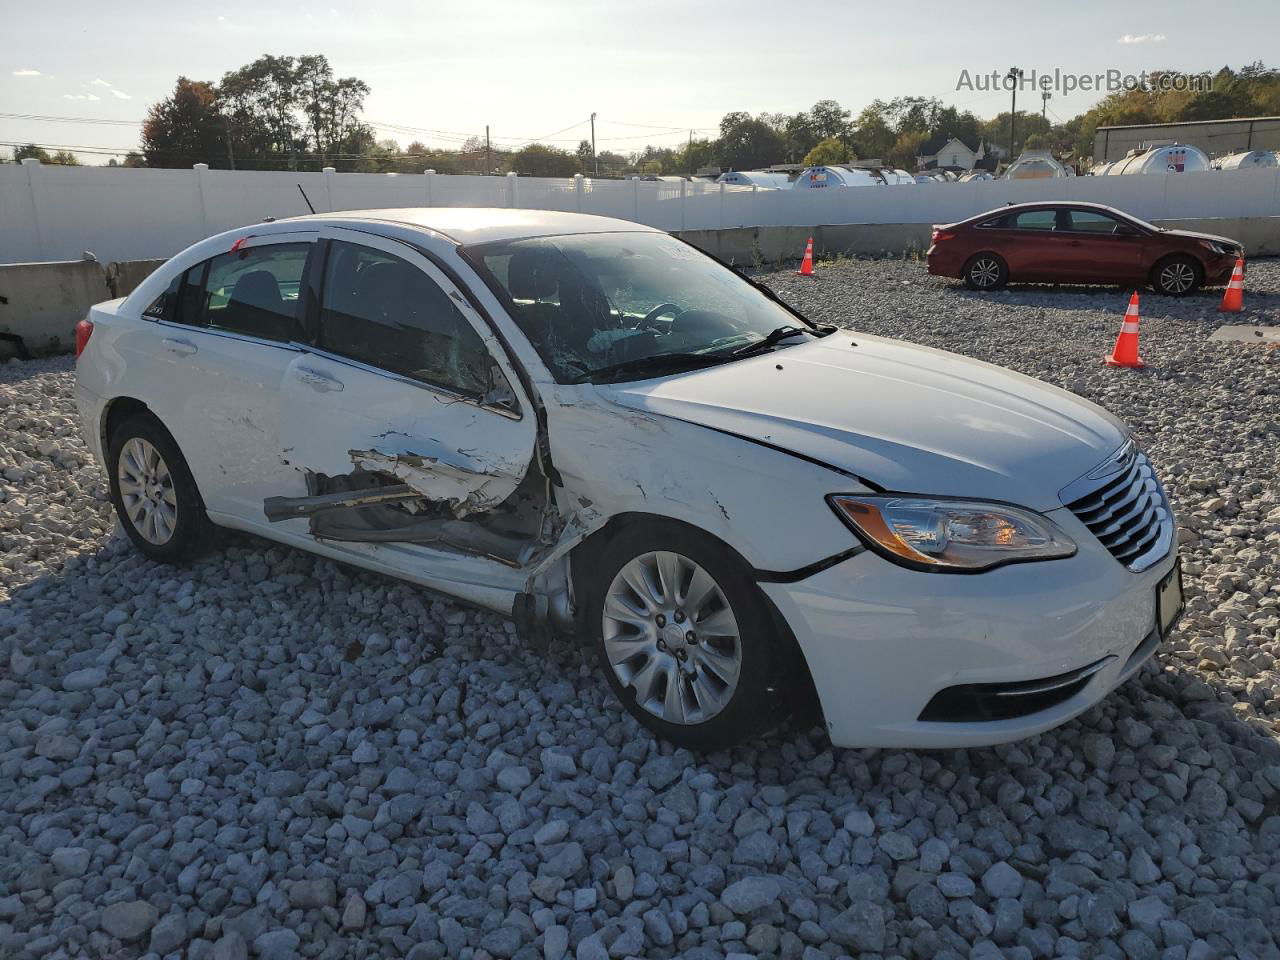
[592, 301]
[255, 291]
[381, 310]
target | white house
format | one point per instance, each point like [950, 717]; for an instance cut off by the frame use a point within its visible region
[948, 152]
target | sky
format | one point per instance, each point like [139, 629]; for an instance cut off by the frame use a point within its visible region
[537, 70]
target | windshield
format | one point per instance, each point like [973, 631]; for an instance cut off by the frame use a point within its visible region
[594, 301]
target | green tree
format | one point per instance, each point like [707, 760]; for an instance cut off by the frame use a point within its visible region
[747, 142]
[539, 160]
[31, 151]
[873, 137]
[907, 148]
[828, 151]
[66, 158]
[585, 156]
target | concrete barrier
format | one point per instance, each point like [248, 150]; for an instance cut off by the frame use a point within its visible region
[41, 303]
[125, 275]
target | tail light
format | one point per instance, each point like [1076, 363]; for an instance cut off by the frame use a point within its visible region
[941, 233]
[84, 330]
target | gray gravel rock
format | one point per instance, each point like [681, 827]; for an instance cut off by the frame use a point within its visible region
[265, 754]
[128, 920]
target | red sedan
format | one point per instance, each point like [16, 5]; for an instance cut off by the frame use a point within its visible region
[1078, 243]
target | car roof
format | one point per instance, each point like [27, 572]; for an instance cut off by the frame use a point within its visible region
[467, 225]
[1043, 204]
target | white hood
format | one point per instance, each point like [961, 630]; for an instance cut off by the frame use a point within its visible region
[904, 417]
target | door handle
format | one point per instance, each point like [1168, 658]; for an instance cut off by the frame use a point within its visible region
[1075, 243]
[317, 380]
[184, 348]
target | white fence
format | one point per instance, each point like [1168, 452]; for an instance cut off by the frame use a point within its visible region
[58, 212]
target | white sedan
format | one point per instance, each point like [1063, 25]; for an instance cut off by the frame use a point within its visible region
[586, 424]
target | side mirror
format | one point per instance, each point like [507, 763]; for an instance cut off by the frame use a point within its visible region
[499, 394]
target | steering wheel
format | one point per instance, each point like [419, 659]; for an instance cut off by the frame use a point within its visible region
[651, 318]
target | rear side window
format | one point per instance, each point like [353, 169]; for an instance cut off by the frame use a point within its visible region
[255, 291]
[164, 306]
[381, 310]
[1036, 220]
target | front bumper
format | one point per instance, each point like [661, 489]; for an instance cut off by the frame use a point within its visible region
[1217, 271]
[882, 641]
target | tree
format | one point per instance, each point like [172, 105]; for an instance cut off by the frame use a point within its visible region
[907, 148]
[185, 128]
[585, 156]
[31, 151]
[134, 159]
[829, 120]
[539, 160]
[828, 151]
[261, 101]
[66, 158]
[1037, 141]
[873, 137]
[330, 105]
[747, 142]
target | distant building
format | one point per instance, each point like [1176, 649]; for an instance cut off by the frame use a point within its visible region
[948, 153]
[1216, 138]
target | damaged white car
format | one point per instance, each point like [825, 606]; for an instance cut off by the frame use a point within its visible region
[587, 424]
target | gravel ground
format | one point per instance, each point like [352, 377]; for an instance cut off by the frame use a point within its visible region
[269, 755]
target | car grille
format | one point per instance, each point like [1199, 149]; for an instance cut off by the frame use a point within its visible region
[1126, 509]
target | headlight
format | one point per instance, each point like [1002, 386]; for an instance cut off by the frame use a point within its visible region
[950, 535]
[1217, 248]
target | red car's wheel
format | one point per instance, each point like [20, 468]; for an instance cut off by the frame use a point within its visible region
[985, 271]
[1177, 276]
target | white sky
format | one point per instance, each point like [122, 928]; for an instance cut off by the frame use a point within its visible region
[531, 69]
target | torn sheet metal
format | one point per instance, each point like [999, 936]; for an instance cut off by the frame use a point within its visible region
[465, 489]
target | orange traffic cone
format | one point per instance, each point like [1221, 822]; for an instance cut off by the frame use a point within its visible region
[1233, 298]
[1125, 352]
[806, 265]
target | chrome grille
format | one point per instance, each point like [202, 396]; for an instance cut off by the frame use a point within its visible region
[1124, 506]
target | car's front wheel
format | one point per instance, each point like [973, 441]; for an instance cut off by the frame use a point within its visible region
[985, 271]
[1177, 276]
[154, 493]
[684, 636]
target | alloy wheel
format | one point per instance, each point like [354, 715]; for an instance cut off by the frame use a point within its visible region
[1177, 277]
[984, 272]
[146, 489]
[672, 638]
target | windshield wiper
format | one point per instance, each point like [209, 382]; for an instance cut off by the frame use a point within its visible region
[658, 363]
[774, 338]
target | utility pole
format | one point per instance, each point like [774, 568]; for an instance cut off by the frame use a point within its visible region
[488, 152]
[689, 153]
[595, 159]
[1015, 75]
[1045, 96]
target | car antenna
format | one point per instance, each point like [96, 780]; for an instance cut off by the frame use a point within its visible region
[304, 197]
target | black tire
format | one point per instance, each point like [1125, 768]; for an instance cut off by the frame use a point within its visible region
[986, 271]
[1177, 275]
[756, 702]
[190, 531]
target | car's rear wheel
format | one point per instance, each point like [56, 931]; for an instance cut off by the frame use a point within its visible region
[985, 271]
[684, 636]
[1177, 276]
[154, 493]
